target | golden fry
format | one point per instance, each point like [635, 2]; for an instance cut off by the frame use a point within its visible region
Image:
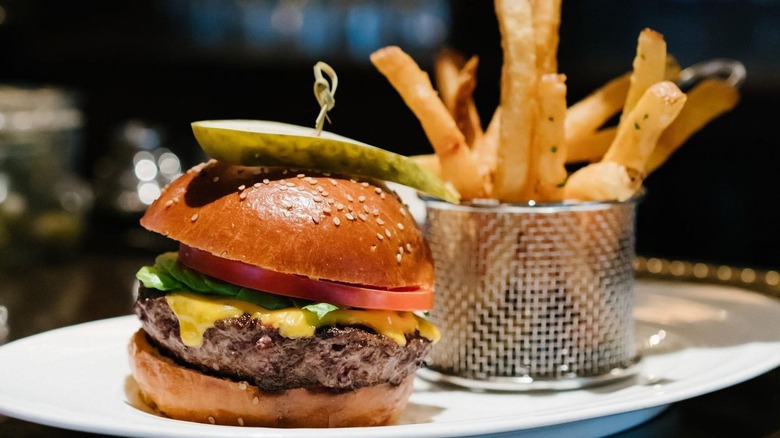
[485, 148]
[590, 113]
[428, 161]
[518, 89]
[549, 170]
[589, 148]
[640, 129]
[547, 20]
[649, 67]
[447, 66]
[706, 101]
[602, 181]
[414, 86]
[464, 110]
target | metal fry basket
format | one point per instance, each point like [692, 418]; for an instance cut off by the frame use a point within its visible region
[532, 297]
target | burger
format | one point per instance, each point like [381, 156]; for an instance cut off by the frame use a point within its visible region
[295, 299]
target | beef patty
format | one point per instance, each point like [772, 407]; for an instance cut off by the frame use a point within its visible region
[243, 349]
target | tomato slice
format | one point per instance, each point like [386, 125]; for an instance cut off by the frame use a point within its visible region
[298, 286]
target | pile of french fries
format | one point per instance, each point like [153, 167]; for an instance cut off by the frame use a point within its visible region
[533, 135]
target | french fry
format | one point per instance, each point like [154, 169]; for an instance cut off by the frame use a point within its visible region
[518, 106]
[550, 148]
[547, 20]
[447, 66]
[589, 148]
[414, 86]
[639, 131]
[464, 110]
[456, 80]
[649, 67]
[706, 101]
[428, 161]
[621, 172]
[590, 113]
[485, 149]
[602, 181]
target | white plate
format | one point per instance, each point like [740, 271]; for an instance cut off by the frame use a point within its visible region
[706, 338]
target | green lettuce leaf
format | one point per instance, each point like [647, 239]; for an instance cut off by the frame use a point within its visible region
[168, 274]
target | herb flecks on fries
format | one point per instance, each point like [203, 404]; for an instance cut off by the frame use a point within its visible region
[521, 155]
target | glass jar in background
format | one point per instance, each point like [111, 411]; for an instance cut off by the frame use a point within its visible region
[128, 176]
[43, 202]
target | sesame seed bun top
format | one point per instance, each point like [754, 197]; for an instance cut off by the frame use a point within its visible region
[295, 222]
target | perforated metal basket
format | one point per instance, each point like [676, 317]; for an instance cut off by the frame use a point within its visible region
[532, 297]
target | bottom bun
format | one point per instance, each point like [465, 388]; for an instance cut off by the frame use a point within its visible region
[185, 394]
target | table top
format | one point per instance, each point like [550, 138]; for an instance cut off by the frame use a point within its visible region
[100, 286]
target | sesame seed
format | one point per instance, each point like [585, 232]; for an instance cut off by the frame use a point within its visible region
[301, 188]
[255, 401]
[320, 189]
[176, 199]
[349, 216]
[379, 236]
[400, 226]
[242, 187]
[388, 233]
[300, 175]
[331, 201]
[311, 181]
[382, 195]
[323, 192]
[194, 217]
[362, 216]
[242, 386]
[349, 198]
[349, 207]
[352, 180]
[168, 203]
[240, 421]
[314, 192]
[327, 210]
[366, 209]
[399, 257]
[409, 248]
[339, 206]
[373, 247]
[266, 181]
[282, 188]
[336, 221]
[378, 190]
[364, 184]
[403, 211]
[317, 199]
[216, 178]
[256, 185]
[284, 172]
[212, 420]
[315, 219]
[289, 184]
[333, 181]
[362, 198]
[400, 250]
[380, 221]
[376, 213]
[326, 173]
[242, 196]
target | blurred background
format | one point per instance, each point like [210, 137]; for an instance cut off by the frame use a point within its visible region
[97, 97]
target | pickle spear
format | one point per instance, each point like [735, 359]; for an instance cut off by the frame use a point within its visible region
[267, 143]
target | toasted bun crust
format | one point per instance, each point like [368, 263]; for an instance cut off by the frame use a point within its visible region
[185, 394]
[321, 227]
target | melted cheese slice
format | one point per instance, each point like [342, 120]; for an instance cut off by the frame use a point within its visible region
[197, 313]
